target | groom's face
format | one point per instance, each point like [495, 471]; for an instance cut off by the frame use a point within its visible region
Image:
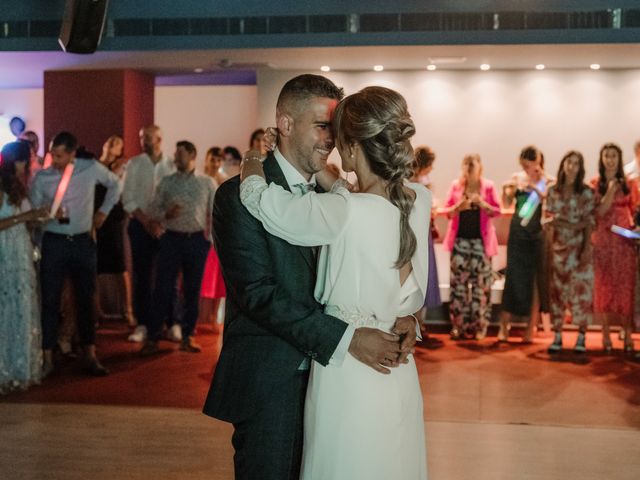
[311, 138]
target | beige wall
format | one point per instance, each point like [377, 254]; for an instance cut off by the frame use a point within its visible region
[496, 113]
[207, 116]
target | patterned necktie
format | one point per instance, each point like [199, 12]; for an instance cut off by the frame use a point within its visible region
[305, 188]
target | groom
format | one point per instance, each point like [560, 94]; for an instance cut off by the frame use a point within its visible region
[273, 325]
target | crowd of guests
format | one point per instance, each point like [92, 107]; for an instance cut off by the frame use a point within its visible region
[62, 231]
[562, 256]
[63, 220]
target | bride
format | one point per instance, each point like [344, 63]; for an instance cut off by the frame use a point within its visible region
[372, 268]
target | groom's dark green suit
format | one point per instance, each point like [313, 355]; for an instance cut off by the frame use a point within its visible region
[272, 324]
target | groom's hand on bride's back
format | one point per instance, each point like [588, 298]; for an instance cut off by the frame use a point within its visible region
[375, 348]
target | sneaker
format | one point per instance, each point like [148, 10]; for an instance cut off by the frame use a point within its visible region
[174, 334]
[580, 344]
[556, 346]
[189, 345]
[139, 335]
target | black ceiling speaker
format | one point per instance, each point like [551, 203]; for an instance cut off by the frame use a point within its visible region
[82, 25]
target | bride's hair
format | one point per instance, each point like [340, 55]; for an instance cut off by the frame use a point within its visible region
[377, 118]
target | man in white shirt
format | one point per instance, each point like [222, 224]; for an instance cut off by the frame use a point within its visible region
[68, 248]
[632, 168]
[143, 175]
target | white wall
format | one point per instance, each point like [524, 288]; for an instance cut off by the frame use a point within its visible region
[27, 103]
[207, 116]
[496, 113]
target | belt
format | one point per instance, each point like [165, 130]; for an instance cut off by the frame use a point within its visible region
[69, 237]
[185, 234]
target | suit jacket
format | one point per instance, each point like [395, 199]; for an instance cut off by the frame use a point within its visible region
[272, 319]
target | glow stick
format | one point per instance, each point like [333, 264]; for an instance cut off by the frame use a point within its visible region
[624, 232]
[61, 190]
[531, 204]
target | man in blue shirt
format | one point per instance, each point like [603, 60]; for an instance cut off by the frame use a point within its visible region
[68, 247]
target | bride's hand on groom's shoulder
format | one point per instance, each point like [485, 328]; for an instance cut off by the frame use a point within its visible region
[375, 348]
[251, 164]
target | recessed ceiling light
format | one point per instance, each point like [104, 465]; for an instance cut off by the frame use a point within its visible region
[594, 66]
[198, 70]
[431, 68]
[378, 68]
[485, 67]
[325, 68]
[540, 66]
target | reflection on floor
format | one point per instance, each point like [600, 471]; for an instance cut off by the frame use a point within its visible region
[492, 412]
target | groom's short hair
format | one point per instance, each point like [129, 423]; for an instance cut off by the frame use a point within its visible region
[303, 87]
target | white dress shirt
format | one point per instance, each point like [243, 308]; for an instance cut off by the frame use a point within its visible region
[79, 196]
[632, 169]
[294, 177]
[142, 177]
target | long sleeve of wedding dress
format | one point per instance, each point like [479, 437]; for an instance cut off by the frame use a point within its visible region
[306, 220]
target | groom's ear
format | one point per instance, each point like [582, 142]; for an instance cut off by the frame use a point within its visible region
[285, 124]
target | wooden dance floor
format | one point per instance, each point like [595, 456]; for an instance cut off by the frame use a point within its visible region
[492, 412]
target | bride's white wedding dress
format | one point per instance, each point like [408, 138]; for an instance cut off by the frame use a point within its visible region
[359, 424]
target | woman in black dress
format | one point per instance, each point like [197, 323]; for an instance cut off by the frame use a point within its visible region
[524, 295]
[110, 237]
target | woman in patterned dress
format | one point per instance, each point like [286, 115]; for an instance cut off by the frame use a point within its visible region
[569, 214]
[20, 337]
[614, 257]
[471, 239]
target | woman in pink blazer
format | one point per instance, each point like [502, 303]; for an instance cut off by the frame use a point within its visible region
[471, 239]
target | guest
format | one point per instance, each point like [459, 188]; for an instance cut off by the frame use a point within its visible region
[632, 169]
[232, 160]
[36, 162]
[144, 173]
[524, 281]
[471, 239]
[614, 257]
[183, 203]
[569, 210]
[422, 167]
[213, 290]
[213, 165]
[110, 237]
[67, 246]
[257, 142]
[20, 334]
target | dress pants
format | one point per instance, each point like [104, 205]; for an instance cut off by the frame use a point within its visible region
[72, 256]
[268, 445]
[178, 251]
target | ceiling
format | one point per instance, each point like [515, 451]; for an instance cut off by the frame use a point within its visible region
[25, 69]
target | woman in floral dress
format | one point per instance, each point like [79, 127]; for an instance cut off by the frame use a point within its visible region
[614, 257]
[569, 209]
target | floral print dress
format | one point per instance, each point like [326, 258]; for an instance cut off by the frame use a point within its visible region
[571, 279]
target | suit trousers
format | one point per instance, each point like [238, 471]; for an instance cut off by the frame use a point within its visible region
[178, 251]
[143, 252]
[72, 256]
[268, 445]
